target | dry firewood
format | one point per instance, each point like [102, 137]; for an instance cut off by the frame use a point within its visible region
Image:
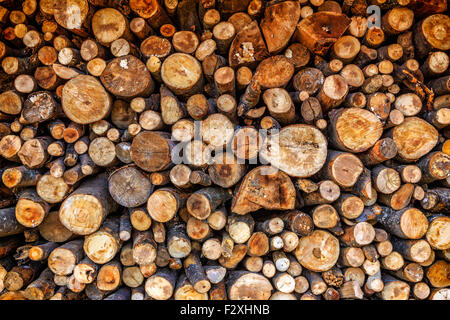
[351, 290]
[325, 217]
[319, 31]
[189, 82]
[106, 238]
[42, 288]
[403, 137]
[63, 259]
[239, 284]
[288, 148]
[434, 166]
[421, 290]
[184, 290]
[349, 134]
[343, 168]
[21, 275]
[121, 75]
[94, 192]
[429, 34]
[173, 200]
[324, 245]
[151, 151]
[109, 276]
[394, 289]
[280, 105]
[274, 72]
[237, 255]
[85, 90]
[436, 231]
[250, 199]
[262, 78]
[398, 199]
[384, 149]
[19, 177]
[240, 227]
[10, 225]
[298, 222]
[197, 230]
[51, 229]
[279, 24]
[178, 243]
[204, 201]
[51, 189]
[248, 46]
[436, 274]
[31, 209]
[130, 180]
[327, 192]
[196, 274]
[408, 223]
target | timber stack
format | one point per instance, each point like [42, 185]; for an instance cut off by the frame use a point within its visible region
[224, 149]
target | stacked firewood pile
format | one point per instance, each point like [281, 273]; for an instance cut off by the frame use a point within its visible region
[228, 149]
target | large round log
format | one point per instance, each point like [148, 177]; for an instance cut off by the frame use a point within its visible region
[151, 151]
[182, 74]
[279, 24]
[244, 285]
[264, 187]
[85, 209]
[84, 100]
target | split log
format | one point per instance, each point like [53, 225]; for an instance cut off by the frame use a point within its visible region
[279, 24]
[151, 151]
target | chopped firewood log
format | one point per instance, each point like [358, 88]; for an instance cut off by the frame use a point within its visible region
[224, 149]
